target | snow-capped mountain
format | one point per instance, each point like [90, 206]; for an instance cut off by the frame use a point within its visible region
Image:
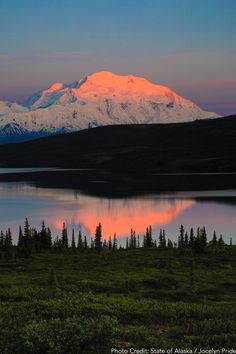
[101, 98]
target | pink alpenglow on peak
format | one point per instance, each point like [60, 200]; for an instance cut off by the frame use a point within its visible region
[102, 98]
[104, 84]
[55, 87]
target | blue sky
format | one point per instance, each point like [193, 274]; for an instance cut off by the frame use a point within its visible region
[188, 45]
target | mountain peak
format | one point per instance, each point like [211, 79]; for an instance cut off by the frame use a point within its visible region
[107, 77]
[101, 98]
[55, 87]
[105, 84]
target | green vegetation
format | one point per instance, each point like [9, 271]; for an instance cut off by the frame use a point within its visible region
[71, 296]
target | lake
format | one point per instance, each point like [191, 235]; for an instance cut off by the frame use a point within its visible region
[82, 199]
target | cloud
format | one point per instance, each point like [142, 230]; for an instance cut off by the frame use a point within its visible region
[6, 57]
[59, 54]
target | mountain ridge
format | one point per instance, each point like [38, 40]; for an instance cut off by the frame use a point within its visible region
[101, 98]
[204, 146]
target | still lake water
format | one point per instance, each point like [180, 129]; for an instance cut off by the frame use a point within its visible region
[83, 208]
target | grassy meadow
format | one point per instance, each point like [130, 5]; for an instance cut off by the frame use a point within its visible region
[86, 301]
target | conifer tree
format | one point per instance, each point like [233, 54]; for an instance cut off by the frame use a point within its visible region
[149, 240]
[57, 243]
[221, 241]
[80, 242]
[73, 246]
[132, 240]
[27, 234]
[114, 246]
[64, 236]
[8, 249]
[36, 240]
[20, 238]
[191, 238]
[144, 241]
[162, 239]
[9, 238]
[110, 244]
[197, 244]
[214, 239]
[169, 243]
[43, 237]
[49, 238]
[85, 243]
[186, 241]
[98, 238]
[1, 241]
[92, 245]
[181, 237]
[203, 239]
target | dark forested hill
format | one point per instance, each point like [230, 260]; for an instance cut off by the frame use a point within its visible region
[200, 146]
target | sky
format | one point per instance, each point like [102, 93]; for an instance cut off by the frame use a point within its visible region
[189, 46]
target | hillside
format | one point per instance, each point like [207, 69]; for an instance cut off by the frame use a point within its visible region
[200, 146]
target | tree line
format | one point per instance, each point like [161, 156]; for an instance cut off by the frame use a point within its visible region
[31, 241]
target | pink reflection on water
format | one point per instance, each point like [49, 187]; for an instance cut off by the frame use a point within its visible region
[119, 216]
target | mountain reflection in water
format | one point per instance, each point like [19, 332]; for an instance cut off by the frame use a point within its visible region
[82, 211]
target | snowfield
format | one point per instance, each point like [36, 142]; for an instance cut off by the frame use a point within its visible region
[101, 98]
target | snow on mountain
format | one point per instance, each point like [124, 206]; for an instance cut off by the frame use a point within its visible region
[99, 99]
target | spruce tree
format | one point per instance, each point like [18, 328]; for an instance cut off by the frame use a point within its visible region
[64, 236]
[43, 237]
[221, 242]
[214, 240]
[98, 238]
[36, 240]
[144, 241]
[203, 239]
[181, 237]
[114, 242]
[197, 243]
[169, 243]
[20, 238]
[80, 242]
[163, 239]
[110, 244]
[191, 238]
[27, 234]
[149, 240]
[49, 238]
[85, 243]
[1, 241]
[73, 240]
[186, 241]
[92, 245]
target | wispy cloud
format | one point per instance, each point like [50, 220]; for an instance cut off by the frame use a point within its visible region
[59, 54]
[43, 55]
